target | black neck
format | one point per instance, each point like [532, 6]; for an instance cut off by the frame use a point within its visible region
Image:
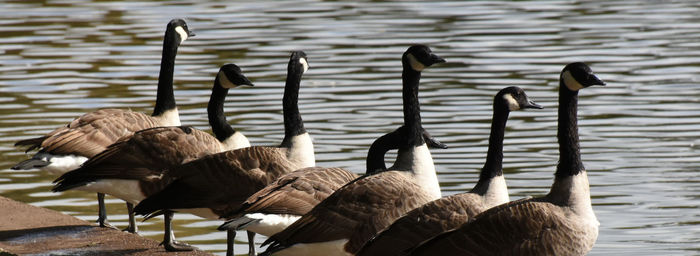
[375, 155]
[569, 153]
[411, 107]
[165, 100]
[293, 125]
[215, 110]
[494, 158]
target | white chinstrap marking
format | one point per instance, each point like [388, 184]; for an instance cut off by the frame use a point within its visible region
[270, 224]
[512, 103]
[571, 82]
[305, 64]
[183, 34]
[224, 81]
[415, 64]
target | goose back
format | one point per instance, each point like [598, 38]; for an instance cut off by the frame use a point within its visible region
[525, 227]
[65, 148]
[365, 206]
[220, 182]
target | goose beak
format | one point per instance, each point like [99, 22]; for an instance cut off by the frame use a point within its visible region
[436, 59]
[432, 142]
[594, 80]
[532, 104]
[248, 83]
[190, 33]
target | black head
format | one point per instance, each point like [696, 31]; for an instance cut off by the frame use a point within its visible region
[179, 26]
[231, 76]
[298, 61]
[419, 57]
[578, 75]
[514, 98]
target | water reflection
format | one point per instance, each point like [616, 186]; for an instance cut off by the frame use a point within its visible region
[639, 135]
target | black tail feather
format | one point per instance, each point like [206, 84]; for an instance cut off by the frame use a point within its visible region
[32, 143]
[273, 248]
[237, 223]
[30, 164]
[154, 214]
[70, 180]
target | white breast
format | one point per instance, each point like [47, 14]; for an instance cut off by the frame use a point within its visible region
[422, 169]
[302, 151]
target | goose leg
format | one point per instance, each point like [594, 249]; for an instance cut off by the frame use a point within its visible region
[102, 212]
[169, 237]
[251, 243]
[230, 236]
[132, 228]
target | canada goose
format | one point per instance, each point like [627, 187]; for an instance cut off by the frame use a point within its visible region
[341, 223]
[292, 195]
[560, 223]
[67, 147]
[450, 212]
[216, 184]
[129, 168]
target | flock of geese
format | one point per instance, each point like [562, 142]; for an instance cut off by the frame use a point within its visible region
[153, 162]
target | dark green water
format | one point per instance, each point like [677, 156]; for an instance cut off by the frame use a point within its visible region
[639, 135]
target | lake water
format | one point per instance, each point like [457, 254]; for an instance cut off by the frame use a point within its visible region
[640, 135]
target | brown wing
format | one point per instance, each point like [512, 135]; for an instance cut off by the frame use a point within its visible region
[524, 227]
[297, 192]
[356, 212]
[424, 222]
[220, 181]
[143, 156]
[91, 133]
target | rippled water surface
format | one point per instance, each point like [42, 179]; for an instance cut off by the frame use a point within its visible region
[640, 135]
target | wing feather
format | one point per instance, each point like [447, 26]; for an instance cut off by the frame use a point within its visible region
[424, 222]
[91, 133]
[524, 227]
[219, 181]
[296, 193]
[355, 212]
[143, 156]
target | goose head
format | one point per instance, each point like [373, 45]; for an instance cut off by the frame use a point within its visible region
[298, 63]
[514, 98]
[179, 26]
[231, 76]
[578, 75]
[419, 57]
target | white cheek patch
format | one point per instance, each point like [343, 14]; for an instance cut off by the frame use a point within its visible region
[415, 64]
[182, 32]
[512, 103]
[571, 82]
[224, 82]
[304, 64]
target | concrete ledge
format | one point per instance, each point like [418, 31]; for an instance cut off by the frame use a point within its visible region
[26, 229]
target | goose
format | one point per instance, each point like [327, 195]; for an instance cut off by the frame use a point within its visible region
[559, 223]
[69, 146]
[128, 169]
[292, 195]
[341, 223]
[216, 184]
[449, 212]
